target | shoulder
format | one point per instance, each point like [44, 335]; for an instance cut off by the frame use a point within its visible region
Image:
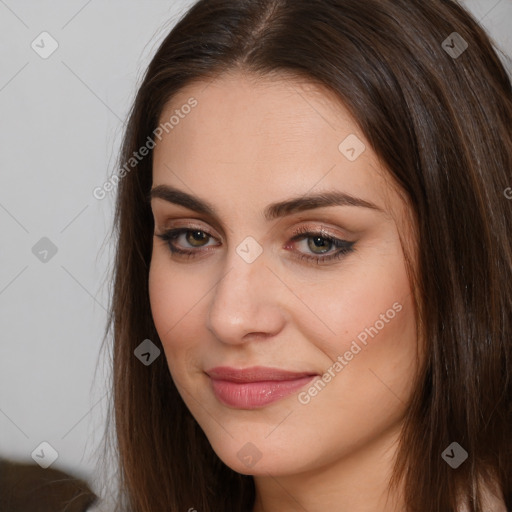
[96, 507]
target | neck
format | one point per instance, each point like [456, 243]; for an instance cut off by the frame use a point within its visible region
[358, 482]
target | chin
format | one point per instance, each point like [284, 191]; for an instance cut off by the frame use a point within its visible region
[251, 451]
[248, 459]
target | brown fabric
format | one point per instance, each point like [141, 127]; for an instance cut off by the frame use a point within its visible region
[30, 488]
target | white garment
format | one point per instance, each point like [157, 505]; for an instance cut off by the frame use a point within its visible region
[96, 507]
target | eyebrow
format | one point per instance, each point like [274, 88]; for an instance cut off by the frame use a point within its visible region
[272, 211]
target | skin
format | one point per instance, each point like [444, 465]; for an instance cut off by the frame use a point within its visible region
[250, 142]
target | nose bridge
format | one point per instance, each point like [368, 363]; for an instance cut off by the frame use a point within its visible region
[243, 301]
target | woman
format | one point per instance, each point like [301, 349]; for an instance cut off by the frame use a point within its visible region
[313, 284]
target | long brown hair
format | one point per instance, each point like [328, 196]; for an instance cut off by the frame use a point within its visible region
[439, 116]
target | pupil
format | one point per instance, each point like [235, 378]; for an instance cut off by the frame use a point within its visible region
[196, 236]
[319, 243]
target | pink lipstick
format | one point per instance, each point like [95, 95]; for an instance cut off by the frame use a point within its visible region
[257, 386]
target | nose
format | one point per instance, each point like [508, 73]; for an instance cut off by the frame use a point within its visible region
[245, 302]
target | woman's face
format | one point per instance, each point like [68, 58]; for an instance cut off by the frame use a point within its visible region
[285, 314]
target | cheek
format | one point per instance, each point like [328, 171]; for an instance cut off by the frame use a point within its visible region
[175, 299]
[371, 317]
[379, 360]
[369, 301]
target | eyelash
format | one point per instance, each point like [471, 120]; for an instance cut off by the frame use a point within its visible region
[302, 233]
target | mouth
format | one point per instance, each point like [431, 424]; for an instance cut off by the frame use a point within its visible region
[255, 387]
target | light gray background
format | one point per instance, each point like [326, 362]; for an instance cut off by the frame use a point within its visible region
[60, 128]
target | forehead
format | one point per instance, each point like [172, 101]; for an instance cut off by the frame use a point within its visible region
[264, 139]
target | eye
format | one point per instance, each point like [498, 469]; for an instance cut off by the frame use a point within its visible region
[190, 238]
[315, 246]
[319, 244]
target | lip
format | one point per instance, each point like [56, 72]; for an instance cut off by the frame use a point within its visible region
[254, 387]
